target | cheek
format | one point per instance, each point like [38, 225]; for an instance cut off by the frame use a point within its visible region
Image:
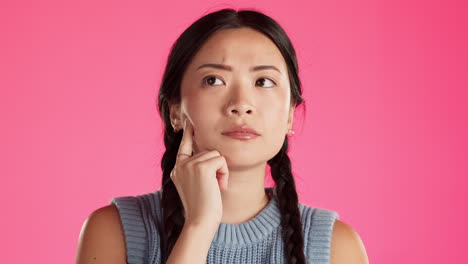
[203, 116]
[198, 108]
[275, 115]
[276, 126]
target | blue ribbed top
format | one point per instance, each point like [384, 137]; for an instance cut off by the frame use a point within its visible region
[255, 241]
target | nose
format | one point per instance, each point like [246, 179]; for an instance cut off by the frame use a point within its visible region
[240, 110]
[240, 103]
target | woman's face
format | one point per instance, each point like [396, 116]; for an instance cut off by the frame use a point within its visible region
[216, 98]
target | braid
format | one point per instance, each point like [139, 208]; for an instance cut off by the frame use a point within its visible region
[171, 204]
[288, 205]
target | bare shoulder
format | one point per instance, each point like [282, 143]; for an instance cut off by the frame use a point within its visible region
[346, 245]
[101, 238]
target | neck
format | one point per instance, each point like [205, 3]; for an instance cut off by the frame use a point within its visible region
[245, 196]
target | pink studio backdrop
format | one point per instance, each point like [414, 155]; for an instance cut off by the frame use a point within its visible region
[383, 141]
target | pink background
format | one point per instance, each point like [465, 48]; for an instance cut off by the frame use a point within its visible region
[383, 141]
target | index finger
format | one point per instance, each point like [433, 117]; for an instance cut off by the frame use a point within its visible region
[185, 148]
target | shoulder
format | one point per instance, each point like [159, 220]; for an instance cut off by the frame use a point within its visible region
[330, 240]
[101, 238]
[317, 228]
[346, 245]
[142, 225]
[314, 217]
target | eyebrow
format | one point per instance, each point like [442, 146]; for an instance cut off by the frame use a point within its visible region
[229, 68]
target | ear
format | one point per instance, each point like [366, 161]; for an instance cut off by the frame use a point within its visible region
[175, 115]
[290, 117]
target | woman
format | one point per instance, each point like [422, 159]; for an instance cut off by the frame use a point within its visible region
[227, 100]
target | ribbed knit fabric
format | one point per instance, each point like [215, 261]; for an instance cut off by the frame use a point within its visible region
[255, 241]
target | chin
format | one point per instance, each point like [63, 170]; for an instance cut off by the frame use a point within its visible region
[243, 159]
[242, 154]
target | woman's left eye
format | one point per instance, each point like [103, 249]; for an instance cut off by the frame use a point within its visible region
[263, 82]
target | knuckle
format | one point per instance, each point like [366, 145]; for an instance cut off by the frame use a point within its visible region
[173, 178]
[190, 163]
[222, 158]
[201, 166]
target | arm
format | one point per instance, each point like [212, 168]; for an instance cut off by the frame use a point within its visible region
[101, 238]
[193, 244]
[346, 245]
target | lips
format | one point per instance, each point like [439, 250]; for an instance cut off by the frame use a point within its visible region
[242, 132]
[242, 129]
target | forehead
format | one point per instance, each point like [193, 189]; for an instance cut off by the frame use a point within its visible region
[239, 48]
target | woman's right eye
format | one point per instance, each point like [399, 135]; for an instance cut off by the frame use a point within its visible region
[211, 80]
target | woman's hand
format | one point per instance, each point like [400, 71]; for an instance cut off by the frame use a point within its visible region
[199, 180]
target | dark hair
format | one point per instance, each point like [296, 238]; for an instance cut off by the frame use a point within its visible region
[183, 50]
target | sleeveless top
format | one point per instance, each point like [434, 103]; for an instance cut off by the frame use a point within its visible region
[258, 240]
